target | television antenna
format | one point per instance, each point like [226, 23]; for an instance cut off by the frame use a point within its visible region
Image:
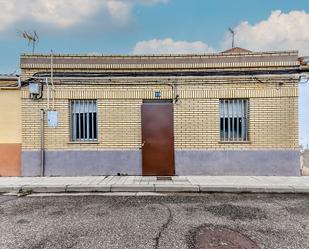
[233, 37]
[31, 37]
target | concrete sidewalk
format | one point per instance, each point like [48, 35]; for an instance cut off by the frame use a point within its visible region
[234, 184]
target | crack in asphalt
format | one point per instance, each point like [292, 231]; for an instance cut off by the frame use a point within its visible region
[164, 226]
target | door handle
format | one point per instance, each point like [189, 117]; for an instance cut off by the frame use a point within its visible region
[143, 144]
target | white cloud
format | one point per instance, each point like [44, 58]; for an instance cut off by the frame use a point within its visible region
[66, 13]
[279, 32]
[169, 46]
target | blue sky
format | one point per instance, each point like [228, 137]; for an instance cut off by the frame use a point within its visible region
[155, 26]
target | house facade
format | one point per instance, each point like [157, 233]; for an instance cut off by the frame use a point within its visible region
[232, 113]
[10, 126]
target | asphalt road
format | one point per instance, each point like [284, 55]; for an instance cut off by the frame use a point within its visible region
[271, 221]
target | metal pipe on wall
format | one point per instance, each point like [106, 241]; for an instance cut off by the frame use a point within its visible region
[19, 82]
[155, 81]
[42, 173]
[84, 75]
[52, 76]
[46, 81]
[12, 87]
[174, 92]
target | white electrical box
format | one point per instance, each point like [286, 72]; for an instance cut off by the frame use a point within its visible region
[34, 88]
[52, 118]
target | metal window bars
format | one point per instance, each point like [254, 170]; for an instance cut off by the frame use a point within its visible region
[83, 120]
[234, 119]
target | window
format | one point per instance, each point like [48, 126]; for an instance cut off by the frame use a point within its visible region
[83, 120]
[234, 120]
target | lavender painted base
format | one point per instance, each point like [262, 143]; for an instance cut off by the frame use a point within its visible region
[82, 163]
[238, 162]
[188, 162]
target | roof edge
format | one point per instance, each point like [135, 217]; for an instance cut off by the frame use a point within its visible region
[8, 77]
[224, 54]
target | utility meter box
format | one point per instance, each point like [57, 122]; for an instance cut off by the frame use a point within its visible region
[52, 119]
[34, 88]
[157, 94]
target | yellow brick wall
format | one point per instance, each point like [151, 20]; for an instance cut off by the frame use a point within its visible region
[273, 117]
[10, 120]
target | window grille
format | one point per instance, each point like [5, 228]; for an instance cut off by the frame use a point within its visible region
[83, 120]
[234, 120]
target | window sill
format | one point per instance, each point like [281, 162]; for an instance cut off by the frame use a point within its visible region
[84, 142]
[235, 142]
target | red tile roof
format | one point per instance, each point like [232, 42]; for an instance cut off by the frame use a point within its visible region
[237, 50]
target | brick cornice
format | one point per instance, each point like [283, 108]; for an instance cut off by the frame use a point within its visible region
[162, 62]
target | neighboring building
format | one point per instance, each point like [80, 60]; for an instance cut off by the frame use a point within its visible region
[10, 126]
[232, 113]
[304, 162]
[304, 79]
[306, 158]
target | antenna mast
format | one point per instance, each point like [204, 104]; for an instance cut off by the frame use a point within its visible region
[233, 37]
[31, 37]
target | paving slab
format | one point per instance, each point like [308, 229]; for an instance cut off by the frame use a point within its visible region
[221, 180]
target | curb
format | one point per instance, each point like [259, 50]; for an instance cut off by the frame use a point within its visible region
[44, 188]
[10, 189]
[88, 188]
[159, 188]
[175, 188]
[247, 189]
[132, 188]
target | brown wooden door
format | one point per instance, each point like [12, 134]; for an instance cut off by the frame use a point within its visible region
[158, 139]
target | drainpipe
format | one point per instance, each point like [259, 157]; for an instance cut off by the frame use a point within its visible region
[174, 91]
[52, 77]
[19, 82]
[48, 93]
[42, 144]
